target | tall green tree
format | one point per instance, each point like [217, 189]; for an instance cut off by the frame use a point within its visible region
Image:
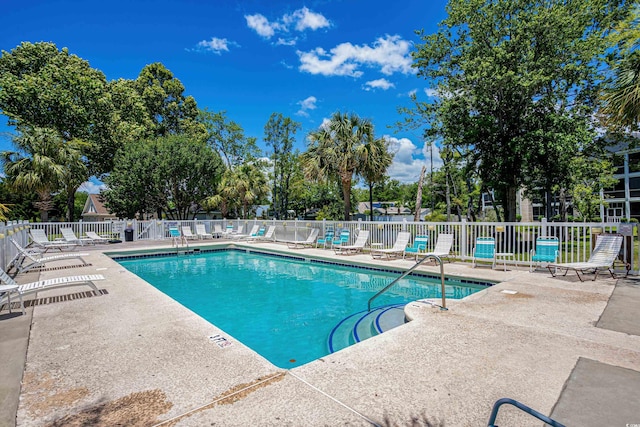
[170, 175]
[621, 109]
[279, 134]
[227, 138]
[375, 159]
[334, 151]
[170, 111]
[36, 166]
[242, 188]
[513, 75]
[41, 86]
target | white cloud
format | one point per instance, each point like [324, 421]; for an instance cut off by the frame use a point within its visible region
[215, 45]
[92, 187]
[261, 25]
[304, 18]
[383, 84]
[409, 159]
[307, 104]
[300, 20]
[432, 93]
[286, 42]
[390, 54]
[412, 92]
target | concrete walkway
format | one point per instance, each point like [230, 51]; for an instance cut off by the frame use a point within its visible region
[133, 356]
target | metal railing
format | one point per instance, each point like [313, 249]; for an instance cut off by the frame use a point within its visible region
[406, 273]
[522, 407]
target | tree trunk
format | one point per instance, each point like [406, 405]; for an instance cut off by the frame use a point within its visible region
[71, 204]
[416, 216]
[510, 205]
[448, 197]
[346, 195]
[370, 201]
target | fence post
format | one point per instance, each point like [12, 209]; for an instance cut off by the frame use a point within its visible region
[543, 227]
[463, 239]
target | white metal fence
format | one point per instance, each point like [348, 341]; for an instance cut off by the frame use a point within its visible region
[576, 239]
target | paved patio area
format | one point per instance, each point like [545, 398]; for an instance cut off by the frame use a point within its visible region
[130, 355]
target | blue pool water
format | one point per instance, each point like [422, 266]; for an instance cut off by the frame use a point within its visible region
[282, 308]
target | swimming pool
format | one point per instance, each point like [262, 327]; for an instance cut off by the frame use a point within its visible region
[284, 308]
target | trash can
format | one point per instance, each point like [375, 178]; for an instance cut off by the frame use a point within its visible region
[128, 235]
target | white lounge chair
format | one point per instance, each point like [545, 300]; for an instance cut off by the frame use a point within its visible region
[40, 239]
[70, 237]
[10, 286]
[240, 235]
[201, 232]
[96, 238]
[308, 242]
[602, 257]
[37, 260]
[268, 235]
[187, 234]
[443, 246]
[357, 246]
[217, 230]
[402, 240]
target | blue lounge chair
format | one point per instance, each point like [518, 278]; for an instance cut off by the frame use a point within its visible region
[326, 240]
[547, 250]
[485, 249]
[342, 239]
[419, 246]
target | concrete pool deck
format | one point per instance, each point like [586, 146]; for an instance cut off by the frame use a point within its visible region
[130, 355]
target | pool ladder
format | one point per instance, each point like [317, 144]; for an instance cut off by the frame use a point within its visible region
[406, 273]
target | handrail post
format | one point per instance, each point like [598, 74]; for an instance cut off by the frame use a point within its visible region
[406, 273]
[522, 407]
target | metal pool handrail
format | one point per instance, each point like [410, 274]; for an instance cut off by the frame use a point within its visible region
[429, 256]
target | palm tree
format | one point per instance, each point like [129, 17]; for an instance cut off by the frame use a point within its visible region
[245, 185]
[375, 159]
[75, 171]
[622, 99]
[35, 166]
[335, 151]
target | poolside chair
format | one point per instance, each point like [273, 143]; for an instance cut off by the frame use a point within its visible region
[602, 257]
[70, 237]
[402, 240]
[10, 286]
[201, 232]
[96, 238]
[228, 231]
[342, 239]
[240, 235]
[37, 260]
[217, 230]
[307, 243]
[443, 246]
[268, 235]
[177, 237]
[187, 234]
[357, 246]
[419, 245]
[40, 239]
[326, 240]
[546, 250]
[485, 249]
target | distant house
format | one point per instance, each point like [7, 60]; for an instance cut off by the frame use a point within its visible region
[94, 210]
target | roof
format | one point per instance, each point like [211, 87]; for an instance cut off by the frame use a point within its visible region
[94, 207]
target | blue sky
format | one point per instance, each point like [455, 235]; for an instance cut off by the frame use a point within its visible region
[305, 60]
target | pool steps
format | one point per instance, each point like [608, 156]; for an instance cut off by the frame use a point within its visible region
[365, 324]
